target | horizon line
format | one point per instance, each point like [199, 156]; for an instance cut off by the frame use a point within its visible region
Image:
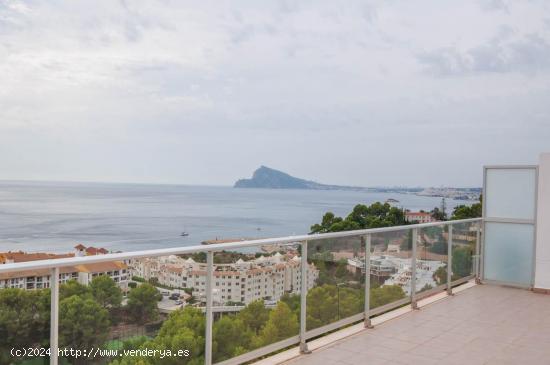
[232, 185]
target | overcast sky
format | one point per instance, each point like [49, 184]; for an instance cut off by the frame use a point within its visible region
[203, 92]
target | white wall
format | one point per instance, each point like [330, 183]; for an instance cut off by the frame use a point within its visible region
[542, 273]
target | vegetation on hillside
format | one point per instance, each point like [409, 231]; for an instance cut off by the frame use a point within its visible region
[362, 216]
[86, 314]
[468, 211]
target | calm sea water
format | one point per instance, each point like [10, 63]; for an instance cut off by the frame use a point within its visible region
[55, 216]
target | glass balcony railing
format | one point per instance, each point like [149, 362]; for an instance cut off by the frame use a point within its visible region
[390, 269]
[432, 259]
[336, 281]
[226, 303]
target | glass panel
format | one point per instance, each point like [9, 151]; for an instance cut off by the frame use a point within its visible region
[390, 274]
[256, 298]
[510, 193]
[338, 266]
[464, 248]
[509, 252]
[24, 315]
[136, 305]
[431, 258]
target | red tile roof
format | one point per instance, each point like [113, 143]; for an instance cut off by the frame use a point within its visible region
[423, 214]
[21, 256]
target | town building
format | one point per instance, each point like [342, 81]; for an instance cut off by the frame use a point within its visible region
[419, 217]
[40, 279]
[266, 277]
[390, 270]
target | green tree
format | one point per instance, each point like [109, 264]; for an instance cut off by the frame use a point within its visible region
[439, 247]
[328, 303]
[255, 315]
[324, 276]
[230, 337]
[462, 262]
[438, 214]
[376, 215]
[328, 220]
[131, 360]
[440, 275]
[293, 302]
[142, 303]
[73, 287]
[83, 323]
[134, 343]
[385, 294]
[350, 301]
[362, 216]
[321, 306]
[282, 324]
[106, 292]
[184, 329]
[24, 320]
[426, 288]
[341, 269]
[467, 211]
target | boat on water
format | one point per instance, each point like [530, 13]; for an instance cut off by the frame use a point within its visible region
[391, 200]
[184, 234]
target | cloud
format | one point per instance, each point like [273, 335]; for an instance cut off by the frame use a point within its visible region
[203, 92]
[529, 54]
[493, 5]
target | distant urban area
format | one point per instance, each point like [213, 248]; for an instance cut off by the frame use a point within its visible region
[268, 178]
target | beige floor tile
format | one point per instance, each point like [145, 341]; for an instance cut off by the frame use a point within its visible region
[482, 325]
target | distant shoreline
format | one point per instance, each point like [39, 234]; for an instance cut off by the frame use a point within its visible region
[138, 217]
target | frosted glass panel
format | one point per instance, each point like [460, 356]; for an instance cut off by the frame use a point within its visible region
[510, 193]
[509, 252]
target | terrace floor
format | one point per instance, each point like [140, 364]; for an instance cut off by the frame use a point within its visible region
[484, 324]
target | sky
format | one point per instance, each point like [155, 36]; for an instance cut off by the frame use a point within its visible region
[365, 93]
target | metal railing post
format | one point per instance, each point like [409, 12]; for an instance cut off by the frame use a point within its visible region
[479, 248]
[482, 252]
[367, 280]
[414, 305]
[450, 260]
[54, 316]
[476, 262]
[303, 300]
[209, 318]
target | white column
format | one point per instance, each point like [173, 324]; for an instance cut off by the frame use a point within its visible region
[450, 260]
[209, 317]
[367, 281]
[542, 258]
[303, 300]
[413, 268]
[54, 316]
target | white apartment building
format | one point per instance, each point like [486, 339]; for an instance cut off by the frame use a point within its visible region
[267, 277]
[397, 271]
[40, 279]
[425, 270]
[380, 266]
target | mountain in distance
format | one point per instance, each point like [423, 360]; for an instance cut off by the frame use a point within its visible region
[268, 178]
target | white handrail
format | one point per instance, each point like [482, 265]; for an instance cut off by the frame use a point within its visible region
[70, 261]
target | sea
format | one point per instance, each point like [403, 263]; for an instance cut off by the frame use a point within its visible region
[55, 216]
